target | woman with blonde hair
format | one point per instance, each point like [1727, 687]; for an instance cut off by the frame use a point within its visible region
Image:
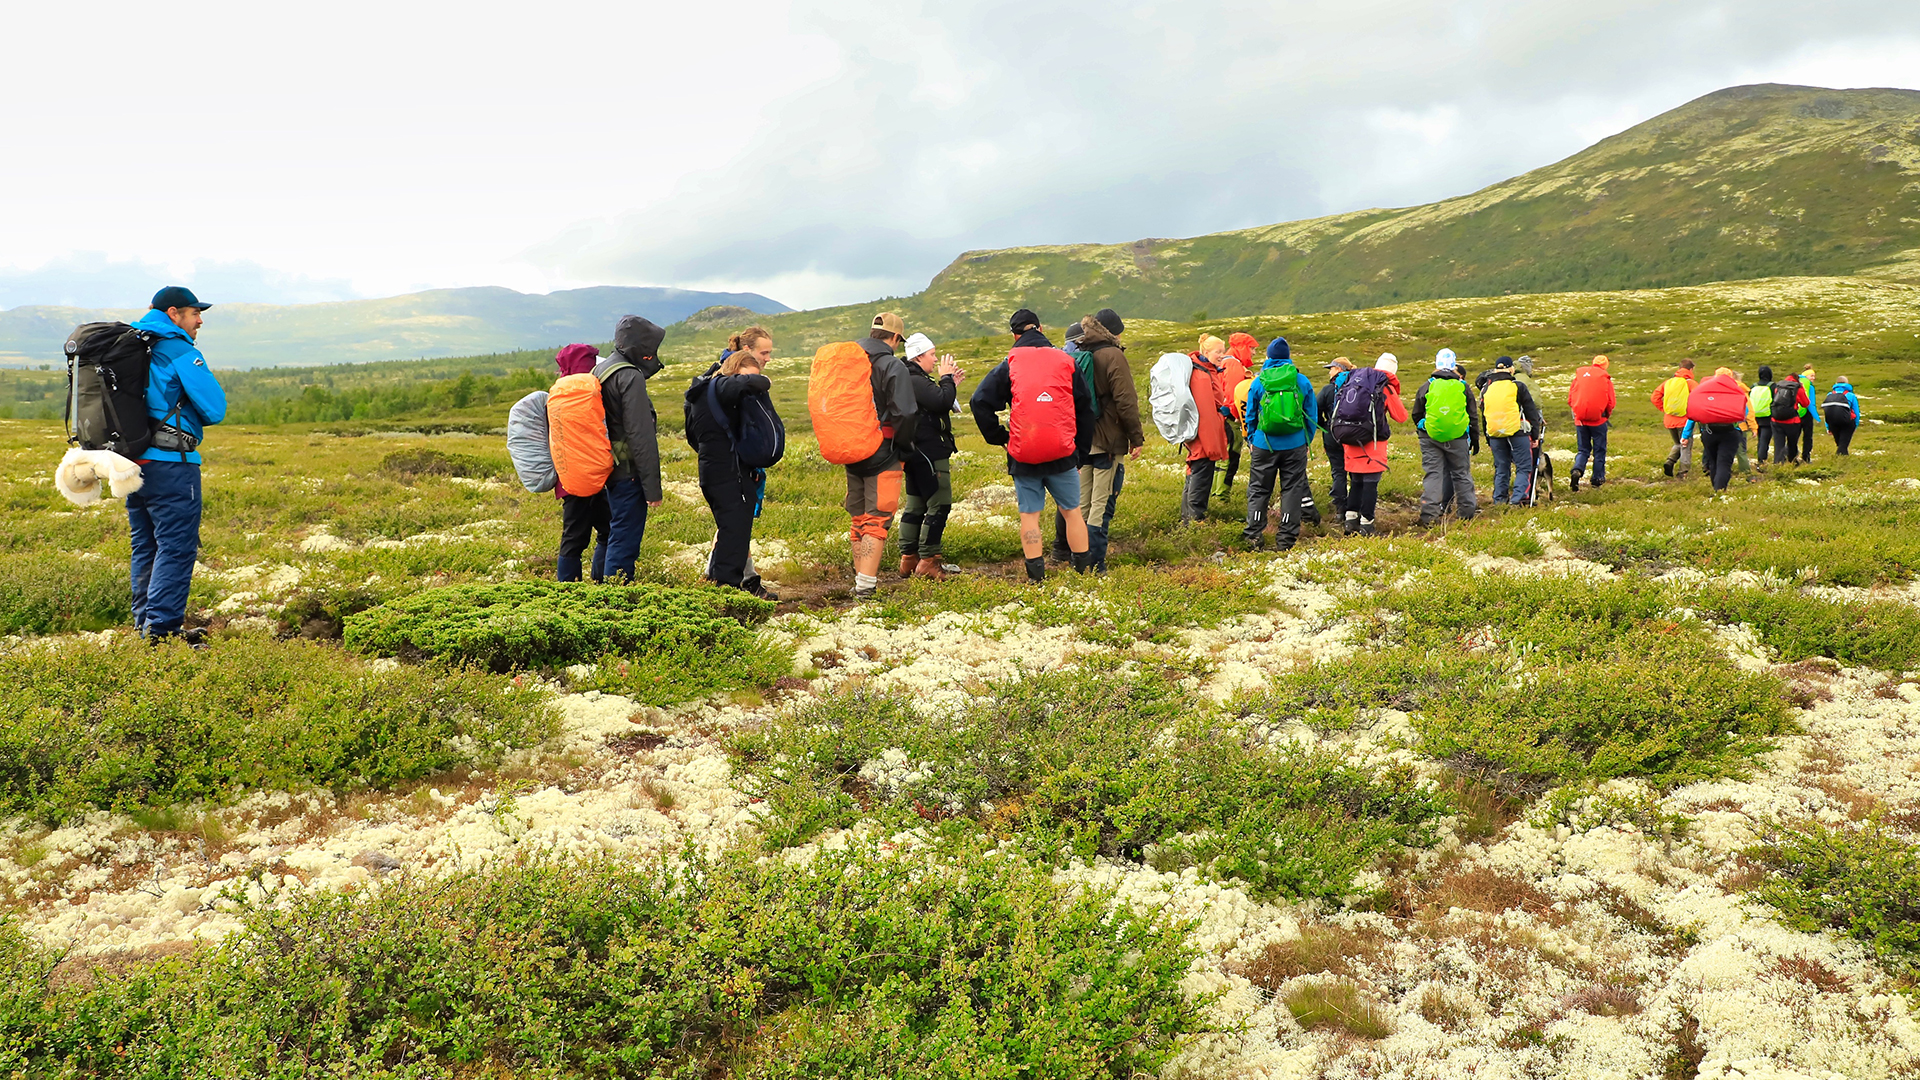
[731, 487]
[1208, 448]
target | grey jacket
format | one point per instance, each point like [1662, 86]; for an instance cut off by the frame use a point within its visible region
[894, 403]
[632, 424]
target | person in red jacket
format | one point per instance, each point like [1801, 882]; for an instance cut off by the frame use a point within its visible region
[1208, 448]
[1591, 398]
[1236, 366]
[1670, 398]
[1367, 462]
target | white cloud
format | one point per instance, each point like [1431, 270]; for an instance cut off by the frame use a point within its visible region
[836, 150]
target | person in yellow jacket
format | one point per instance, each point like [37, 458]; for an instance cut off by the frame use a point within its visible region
[1670, 397]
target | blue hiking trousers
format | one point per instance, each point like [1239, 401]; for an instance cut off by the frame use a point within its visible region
[164, 519]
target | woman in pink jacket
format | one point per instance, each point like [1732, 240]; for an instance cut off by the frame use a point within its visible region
[1368, 461]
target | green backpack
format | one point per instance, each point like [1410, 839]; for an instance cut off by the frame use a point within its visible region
[1446, 409]
[1083, 364]
[1280, 410]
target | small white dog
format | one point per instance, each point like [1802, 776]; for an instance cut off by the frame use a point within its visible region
[81, 471]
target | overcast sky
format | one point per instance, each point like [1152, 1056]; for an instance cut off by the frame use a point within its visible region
[818, 152]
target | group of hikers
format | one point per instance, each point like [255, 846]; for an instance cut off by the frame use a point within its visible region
[882, 407]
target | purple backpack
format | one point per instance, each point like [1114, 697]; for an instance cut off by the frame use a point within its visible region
[1359, 412]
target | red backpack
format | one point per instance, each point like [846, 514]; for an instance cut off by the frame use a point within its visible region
[1041, 422]
[1717, 400]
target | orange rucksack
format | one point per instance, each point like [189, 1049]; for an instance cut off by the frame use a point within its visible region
[840, 401]
[577, 434]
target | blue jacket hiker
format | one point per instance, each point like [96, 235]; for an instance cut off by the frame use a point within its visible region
[163, 517]
[1282, 417]
[1840, 410]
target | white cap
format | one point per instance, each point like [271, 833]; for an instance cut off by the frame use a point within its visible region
[1445, 359]
[1388, 363]
[917, 345]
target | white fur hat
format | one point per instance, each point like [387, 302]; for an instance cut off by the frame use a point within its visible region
[1388, 363]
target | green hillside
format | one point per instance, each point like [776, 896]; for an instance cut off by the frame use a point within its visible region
[441, 322]
[1748, 182]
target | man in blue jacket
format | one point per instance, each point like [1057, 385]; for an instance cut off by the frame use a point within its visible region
[164, 515]
[1277, 445]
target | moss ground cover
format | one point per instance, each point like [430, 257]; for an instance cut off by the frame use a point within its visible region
[850, 964]
[125, 725]
[1111, 759]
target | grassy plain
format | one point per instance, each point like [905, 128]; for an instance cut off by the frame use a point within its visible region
[1635, 667]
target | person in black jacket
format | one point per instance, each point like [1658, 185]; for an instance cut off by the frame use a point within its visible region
[633, 427]
[929, 472]
[1033, 482]
[731, 488]
[1338, 369]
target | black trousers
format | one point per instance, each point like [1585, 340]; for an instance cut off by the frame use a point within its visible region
[1363, 494]
[1806, 438]
[1337, 465]
[729, 489]
[1719, 443]
[1762, 436]
[580, 517]
[1842, 435]
[1268, 471]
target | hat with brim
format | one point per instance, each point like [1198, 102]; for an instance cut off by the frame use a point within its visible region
[888, 323]
[177, 296]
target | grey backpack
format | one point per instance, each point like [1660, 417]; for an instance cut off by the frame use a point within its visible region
[527, 443]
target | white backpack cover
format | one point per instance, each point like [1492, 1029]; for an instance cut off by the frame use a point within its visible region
[527, 443]
[1170, 394]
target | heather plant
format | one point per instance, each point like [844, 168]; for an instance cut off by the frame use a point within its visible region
[852, 963]
[1128, 604]
[125, 725]
[1881, 634]
[1110, 758]
[52, 592]
[1862, 881]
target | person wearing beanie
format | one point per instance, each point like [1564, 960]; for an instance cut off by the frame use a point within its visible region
[1760, 408]
[1207, 450]
[1591, 399]
[1809, 415]
[1117, 433]
[1110, 319]
[1277, 450]
[1366, 462]
[1670, 397]
[1338, 370]
[1448, 421]
[582, 517]
[1040, 418]
[928, 487]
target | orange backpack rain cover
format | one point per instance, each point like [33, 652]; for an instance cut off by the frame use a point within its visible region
[577, 434]
[840, 401]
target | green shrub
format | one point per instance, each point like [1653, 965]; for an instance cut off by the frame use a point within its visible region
[526, 624]
[851, 964]
[1126, 605]
[419, 461]
[1862, 882]
[127, 725]
[1110, 758]
[1874, 633]
[51, 593]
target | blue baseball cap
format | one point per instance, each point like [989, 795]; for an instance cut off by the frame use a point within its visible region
[174, 296]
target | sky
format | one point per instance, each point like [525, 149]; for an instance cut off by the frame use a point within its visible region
[816, 152]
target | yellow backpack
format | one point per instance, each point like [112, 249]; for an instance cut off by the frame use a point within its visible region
[1673, 401]
[1501, 407]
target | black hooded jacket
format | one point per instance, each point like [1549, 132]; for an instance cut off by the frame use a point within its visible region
[893, 403]
[632, 424]
[935, 397]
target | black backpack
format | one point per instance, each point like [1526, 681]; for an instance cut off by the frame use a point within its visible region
[759, 439]
[1838, 409]
[107, 367]
[1786, 399]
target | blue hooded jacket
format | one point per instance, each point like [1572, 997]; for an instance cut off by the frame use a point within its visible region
[1277, 355]
[1853, 400]
[179, 375]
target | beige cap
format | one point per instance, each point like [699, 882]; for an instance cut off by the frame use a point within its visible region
[890, 323]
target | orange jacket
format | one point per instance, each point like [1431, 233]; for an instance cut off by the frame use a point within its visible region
[1211, 443]
[1660, 399]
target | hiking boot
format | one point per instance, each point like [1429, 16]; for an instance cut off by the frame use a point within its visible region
[1082, 562]
[1352, 522]
[1254, 543]
[863, 594]
[755, 588]
[1668, 468]
[907, 563]
[1573, 482]
[1366, 526]
[1060, 554]
[930, 567]
[1037, 569]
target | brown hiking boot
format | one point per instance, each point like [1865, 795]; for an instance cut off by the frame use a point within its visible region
[930, 567]
[907, 563]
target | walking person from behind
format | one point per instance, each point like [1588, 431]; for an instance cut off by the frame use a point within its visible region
[1810, 414]
[1512, 419]
[1788, 404]
[1591, 400]
[581, 516]
[929, 479]
[1367, 401]
[1448, 421]
[1338, 370]
[1117, 433]
[1049, 428]
[1841, 411]
[1281, 412]
[1716, 409]
[183, 399]
[633, 428]
[733, 397]
[1760, 404]
[1670, 397]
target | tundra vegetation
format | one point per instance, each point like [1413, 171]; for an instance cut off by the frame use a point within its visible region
[1622, 785]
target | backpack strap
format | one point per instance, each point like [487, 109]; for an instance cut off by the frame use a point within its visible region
[720, 415]
[609, 369]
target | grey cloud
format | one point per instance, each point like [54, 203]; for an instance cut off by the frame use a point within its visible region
[960, 127]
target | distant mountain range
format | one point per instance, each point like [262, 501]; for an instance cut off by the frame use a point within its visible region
[442, 322]
[1747, 182]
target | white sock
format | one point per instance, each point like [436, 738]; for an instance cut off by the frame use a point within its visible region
[865, 581]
